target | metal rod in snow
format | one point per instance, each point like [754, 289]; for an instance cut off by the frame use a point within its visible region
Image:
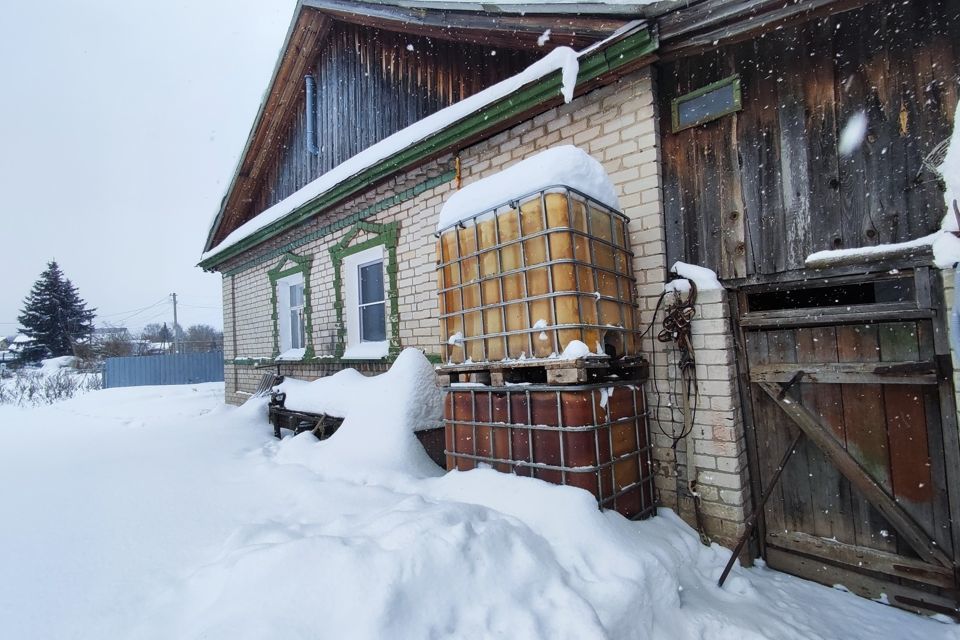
[752, 521]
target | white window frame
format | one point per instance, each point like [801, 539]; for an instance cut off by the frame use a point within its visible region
[350, 268]
[283, 313]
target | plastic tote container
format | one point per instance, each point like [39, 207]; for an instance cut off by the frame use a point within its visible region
[590, 436]
[526, 278]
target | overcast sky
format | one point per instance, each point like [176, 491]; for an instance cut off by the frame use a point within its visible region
[121, 122]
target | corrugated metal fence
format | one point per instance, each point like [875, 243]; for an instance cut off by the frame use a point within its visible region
[184, 368]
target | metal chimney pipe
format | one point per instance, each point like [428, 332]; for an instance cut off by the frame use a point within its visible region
[311, 115]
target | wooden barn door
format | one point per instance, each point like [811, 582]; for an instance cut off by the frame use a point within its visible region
[871, 494]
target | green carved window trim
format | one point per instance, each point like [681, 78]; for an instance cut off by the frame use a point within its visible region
[302, 265]
[386, 235]
[733, 80]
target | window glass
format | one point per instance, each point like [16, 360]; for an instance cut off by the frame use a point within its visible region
[373, 325]
[371, 282]
[696, 109]
[296, 295]
[296, 328]
[291, 313]
[296, 316]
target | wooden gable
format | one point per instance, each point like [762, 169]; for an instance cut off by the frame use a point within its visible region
[379, 68]
[752, 193]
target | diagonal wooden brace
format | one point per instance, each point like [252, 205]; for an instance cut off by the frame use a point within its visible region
[820, 435]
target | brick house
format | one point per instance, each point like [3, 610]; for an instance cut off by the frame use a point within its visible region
[378, 111]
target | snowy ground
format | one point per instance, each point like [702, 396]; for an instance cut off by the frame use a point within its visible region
[156, 512]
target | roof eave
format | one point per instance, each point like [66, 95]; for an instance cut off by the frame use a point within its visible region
[615, 57]
[640, 9]
[256, 123]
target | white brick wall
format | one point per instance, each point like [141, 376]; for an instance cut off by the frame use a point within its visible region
[618, 126]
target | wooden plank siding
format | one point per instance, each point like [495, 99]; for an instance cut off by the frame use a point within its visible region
[753, 193]
[370, 84]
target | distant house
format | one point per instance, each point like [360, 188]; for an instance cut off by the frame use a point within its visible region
[745, 137]
[149, 348]
[6, 356]
[18, 344]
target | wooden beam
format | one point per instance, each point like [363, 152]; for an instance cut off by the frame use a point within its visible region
[895, 312]
[709, 24]
[805, 276]
[507, 30]
[849, 372]
[862, 558]
[823, 438]
[863, 584]
[890, 254]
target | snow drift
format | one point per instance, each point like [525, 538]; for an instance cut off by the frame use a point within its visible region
[157, 513]
[381, 414]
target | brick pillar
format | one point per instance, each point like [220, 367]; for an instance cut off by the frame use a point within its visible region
[714, 454]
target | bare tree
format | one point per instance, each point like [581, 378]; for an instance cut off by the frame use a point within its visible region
[203, 337]
[116, 344]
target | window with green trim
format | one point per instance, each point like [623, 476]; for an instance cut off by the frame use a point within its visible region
[290, 298]
[365, 290]
[291, 312]
[365, 304]
[707, 103]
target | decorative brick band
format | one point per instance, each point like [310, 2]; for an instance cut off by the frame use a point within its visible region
[343, 223]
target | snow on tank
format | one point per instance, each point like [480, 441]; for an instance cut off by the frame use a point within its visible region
[564, 165]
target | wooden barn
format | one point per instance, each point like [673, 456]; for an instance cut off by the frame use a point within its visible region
[789, 147]
[752, 190]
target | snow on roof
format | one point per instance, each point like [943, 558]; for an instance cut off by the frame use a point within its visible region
[564, 165]
[943, 244]
[563, 58]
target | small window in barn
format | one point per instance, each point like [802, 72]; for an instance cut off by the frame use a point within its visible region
[880, 291]
[707, 103]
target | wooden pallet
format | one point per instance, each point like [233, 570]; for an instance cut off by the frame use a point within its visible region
[322, 426]
[543, 371]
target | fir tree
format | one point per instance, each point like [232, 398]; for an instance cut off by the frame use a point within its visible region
[54, 316]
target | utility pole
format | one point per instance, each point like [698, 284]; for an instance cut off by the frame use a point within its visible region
[176, 338]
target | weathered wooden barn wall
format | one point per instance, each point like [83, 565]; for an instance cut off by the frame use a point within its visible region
[754, 193]
[372, 83]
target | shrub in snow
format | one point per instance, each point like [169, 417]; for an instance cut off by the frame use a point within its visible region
[35, 387]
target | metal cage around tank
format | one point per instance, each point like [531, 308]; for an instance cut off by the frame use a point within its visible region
[593, 436]
[527, 277]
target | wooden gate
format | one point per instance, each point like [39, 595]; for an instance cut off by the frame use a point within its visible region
[871, 496]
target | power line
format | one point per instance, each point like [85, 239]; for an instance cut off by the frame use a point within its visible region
[196, 306]
[159, 315]
[120, 313]
[139, 311]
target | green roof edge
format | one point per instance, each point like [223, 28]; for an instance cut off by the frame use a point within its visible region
[617, 54]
